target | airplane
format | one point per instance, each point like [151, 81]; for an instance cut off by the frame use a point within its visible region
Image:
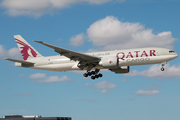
[117, 61]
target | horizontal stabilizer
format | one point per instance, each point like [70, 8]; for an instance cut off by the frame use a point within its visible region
[19, 61]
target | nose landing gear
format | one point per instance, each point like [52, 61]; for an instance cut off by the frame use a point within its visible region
[94, 73]
[163, 64]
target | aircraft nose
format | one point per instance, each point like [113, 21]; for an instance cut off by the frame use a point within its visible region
[173, 56]
[176, 55]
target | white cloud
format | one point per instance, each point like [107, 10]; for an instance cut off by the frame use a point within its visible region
[77, 40]
[37, 75]
[87, 85]
[110, 33]
[154, 71]
[13, 52]
[22, 76]
[145, 93]
[102, 85]
[105, 91]
[38, 8]
[53, 79]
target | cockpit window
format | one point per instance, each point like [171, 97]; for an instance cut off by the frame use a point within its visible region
[171, 51]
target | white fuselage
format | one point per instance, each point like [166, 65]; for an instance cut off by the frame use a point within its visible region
[129, 57]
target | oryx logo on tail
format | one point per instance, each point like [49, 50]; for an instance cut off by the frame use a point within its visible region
[25, 50]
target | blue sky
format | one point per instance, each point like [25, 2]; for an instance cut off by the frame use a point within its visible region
[145, 93]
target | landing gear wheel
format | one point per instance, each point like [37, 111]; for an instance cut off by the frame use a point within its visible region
[89, 73]
[93, 77]
[85, 75]
[96, 76]
[93, 72]
[100, 75]
[162, 69]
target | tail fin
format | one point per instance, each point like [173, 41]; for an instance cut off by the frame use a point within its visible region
[26, 49]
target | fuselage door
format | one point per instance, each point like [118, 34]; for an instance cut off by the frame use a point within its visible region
[158, 52]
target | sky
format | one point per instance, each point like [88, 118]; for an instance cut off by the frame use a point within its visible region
[145, 93]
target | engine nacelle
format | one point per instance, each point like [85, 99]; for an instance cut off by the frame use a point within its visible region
[109, 62]
[123, 69]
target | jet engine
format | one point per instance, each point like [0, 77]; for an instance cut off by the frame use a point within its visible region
[109, 62]
[122, 69]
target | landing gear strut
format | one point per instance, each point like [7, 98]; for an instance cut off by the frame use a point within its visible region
[163, 64]
[94, 73]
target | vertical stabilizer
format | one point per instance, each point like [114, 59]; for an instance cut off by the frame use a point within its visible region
[26, 49]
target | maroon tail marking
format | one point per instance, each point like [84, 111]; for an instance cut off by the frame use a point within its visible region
[25, 49]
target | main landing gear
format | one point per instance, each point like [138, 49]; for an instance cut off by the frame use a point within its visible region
[163, 64]
[94, 73]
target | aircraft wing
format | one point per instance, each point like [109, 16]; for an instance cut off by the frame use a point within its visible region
[19, 61]
[72, 54]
